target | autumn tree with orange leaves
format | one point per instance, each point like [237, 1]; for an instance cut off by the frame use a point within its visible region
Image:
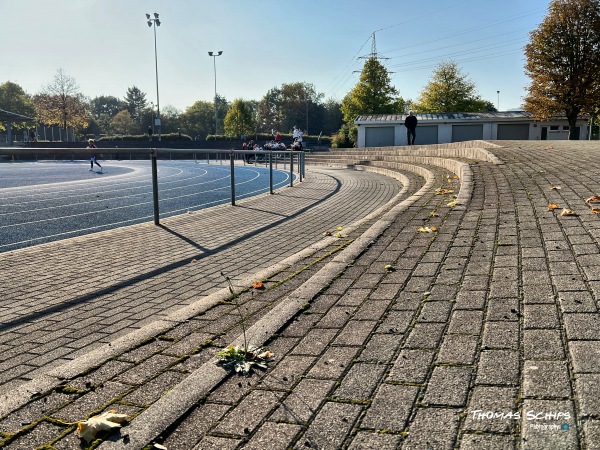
[563, 62]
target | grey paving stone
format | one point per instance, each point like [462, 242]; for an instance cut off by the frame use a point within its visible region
[433, 428]
[315, 341]
[585, 356]
[470, 300]
[547, 379]
[355, 333]
[360, 382]
[333, 363]
[540, 316]
[435, 311]
[425, 335]
[380, 348]
[458, 349]
[217, 443]
[492, 409]
[542, 344]
[586, 390]
[249, 413]
[500, 367]
[331, 426]
[195, 425]
[303, 402]
[396, 321]
[486, 442]
[273, 436]
[548, 424]
[501, 335]
[591, 429]
[583, 326]
[391, 408]
[466, 322]
[374, 441]
[448, 386]
[411, 366]
[503, 309]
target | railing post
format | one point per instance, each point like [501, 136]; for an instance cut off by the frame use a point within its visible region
[155, 187]
[300, 164]
[291, 169]
[270, 171]
[232, 166]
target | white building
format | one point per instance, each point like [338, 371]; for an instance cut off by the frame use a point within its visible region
[382, 130]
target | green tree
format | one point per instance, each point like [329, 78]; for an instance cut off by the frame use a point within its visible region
[563, 61]
[14, 99]
[61, 103]
[239, 120]
[198, 120]
[373, 94]
[294, 104]
[123, 123]
[104, 108]
[136, 103]
[332, 117]
[449, 90]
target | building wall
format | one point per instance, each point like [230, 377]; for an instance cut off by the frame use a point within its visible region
[490, 130]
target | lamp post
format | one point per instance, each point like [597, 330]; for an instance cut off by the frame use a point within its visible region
[498, 104]
[156, 22]
[214, 55]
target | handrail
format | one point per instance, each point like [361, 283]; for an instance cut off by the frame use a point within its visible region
[155, 152]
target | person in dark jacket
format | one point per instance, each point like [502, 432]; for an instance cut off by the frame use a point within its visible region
[411, 124]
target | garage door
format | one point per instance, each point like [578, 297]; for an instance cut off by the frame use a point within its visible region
[379, 136]
[513, 131]
[466, 132]
[426, 135]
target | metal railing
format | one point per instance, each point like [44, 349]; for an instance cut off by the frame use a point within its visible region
[285, 156]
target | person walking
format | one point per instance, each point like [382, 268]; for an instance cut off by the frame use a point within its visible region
[93, 158]
[411, 124]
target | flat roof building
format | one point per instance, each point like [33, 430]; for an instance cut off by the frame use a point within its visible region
[383, 130]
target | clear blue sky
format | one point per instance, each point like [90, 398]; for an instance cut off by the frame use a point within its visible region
[106, 45]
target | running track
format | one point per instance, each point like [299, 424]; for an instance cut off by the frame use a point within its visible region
[47, 201]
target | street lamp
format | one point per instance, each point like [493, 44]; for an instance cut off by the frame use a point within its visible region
[214, 55]
[156, 22]
[498, 104]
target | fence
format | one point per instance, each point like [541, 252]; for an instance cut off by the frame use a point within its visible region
[269, 157]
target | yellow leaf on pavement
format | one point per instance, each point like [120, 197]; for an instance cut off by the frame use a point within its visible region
[88, 429]
[567, 212]
[553, 206]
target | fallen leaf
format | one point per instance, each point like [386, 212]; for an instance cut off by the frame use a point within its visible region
[159, 447]
[555, 187]
[567, 212]
[340, 228]
[389, 268]
[440, 191]
[328, 233]
[592, 199]
[549, 147]
[258, 285]
[433, 214]
[88, 429]
[596, 210]
[452, 204]
[553, 206]
[427, 229]
[433, 228]
[456, 177]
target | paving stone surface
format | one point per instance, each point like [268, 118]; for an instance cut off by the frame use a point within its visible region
[482, 335]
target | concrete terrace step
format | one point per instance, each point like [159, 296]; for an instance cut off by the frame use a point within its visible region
[26, 407]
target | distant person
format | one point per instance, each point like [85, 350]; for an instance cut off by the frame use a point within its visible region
[278, 137]
[300, 134]
[295, 133]
[411, 125]
[94, 157]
